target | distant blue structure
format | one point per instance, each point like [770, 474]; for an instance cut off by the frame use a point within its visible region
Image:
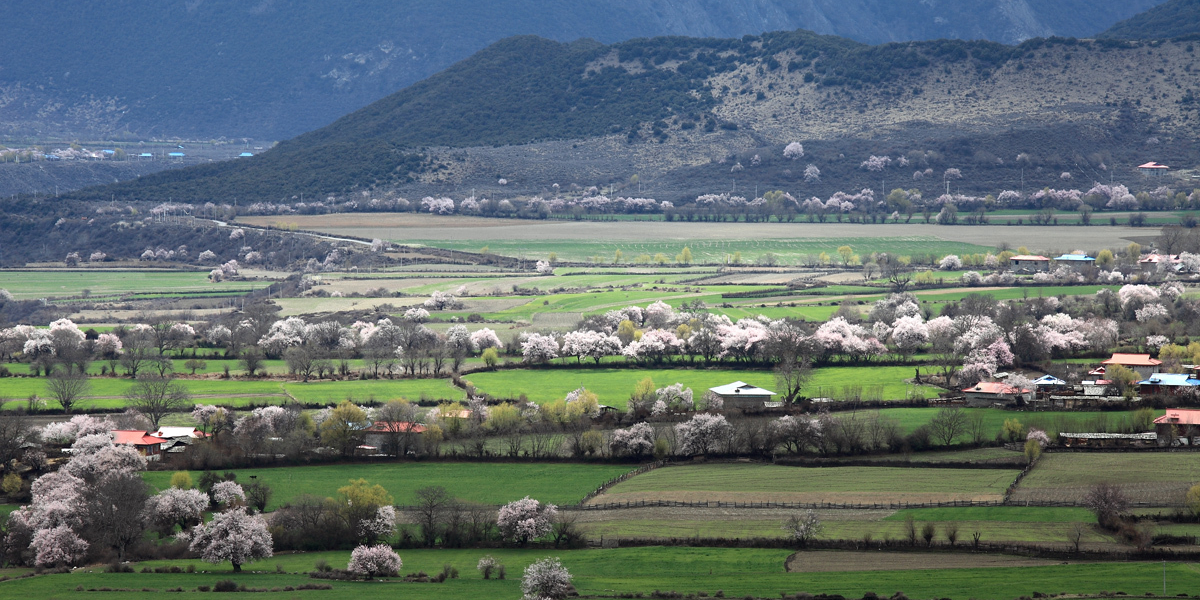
[1078, 259]
[145, 155]
[176, 155]
[245, 155]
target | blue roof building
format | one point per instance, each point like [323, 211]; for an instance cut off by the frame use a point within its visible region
[176, 155]
[1167, 383]
[245, 155]
[1075, 258]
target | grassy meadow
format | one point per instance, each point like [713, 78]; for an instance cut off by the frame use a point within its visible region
[1147, 479]
[735, 572]
[771, 483]
[483, 483]
[29, 285]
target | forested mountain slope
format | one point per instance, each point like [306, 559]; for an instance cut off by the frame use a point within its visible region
[272, 69]
[1176, 18]
[537, 112]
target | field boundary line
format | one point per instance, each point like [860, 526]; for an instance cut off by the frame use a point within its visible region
[822, 505]
[620, 478]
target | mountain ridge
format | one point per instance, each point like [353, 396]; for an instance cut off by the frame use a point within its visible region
[537, 112]
[272, 69]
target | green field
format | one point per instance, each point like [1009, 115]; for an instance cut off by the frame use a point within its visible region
[27, 285]
[1053, 532]
[109, 392]
[736, 572]
[771, 483]
[1153, 479]
[789, 251]
[485, 483]
[1052, 422]
[999, 514]
[614, 386]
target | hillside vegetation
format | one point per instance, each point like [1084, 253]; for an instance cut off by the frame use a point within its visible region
[1174, 19]
[696, 106]
[213, 68]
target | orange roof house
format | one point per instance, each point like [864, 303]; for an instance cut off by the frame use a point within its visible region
[1179, 427]
[1132, 360]
[395, 427]
[1153, 169]
[146, 444]
[989, 393]
[1035, 262]
[1179, 416]
[1141, 363]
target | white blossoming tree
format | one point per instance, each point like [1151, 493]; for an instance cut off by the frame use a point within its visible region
[526, 519]
[546, 579]
[233, 536]
[375, 561]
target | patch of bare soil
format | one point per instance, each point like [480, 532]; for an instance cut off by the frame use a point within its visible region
[663, 513]
[350, 221]
[1153, 493]
[804, 497]
[825, 561]
[414, 226]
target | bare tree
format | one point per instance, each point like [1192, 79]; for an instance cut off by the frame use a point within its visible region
[948, 424]
[1107, 501]
[114, 511]
[790, 378]
[301, 361]
[68, 385]
[15, 431]
[431, 504]
[1076, 533]
[977, 427]
[156, 396]
[398, 419]
[138, 351]
[251, 360]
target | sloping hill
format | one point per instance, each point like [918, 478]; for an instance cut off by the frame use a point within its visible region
[538, 112]
[271, 69]
[1175, 19]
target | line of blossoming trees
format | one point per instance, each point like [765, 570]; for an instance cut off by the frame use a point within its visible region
[862, 206]
[96, 506]
[897, 326]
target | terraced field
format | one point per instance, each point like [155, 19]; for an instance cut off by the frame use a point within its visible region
[1150, 479]
[724, 482]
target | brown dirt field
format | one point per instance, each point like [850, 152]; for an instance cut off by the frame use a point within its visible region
[825, 561]
[813, 497]
[762, 278]
[400, 226]
[660, 513]
[1159, 493]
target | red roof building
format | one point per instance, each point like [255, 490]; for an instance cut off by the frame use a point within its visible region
[1179, 416]
[1153, 169]
[146, 444]
[1179, 427]
[1030, 262]
[395, 427]
[988, 393]
[1141, 363]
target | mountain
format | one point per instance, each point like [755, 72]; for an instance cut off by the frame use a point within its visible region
[272, 69]
[1174, 19]
[696, 115]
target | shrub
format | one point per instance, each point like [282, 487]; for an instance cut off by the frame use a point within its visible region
[225, 585]
[375, 561]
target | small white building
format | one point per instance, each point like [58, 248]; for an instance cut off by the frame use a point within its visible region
[740, 394]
